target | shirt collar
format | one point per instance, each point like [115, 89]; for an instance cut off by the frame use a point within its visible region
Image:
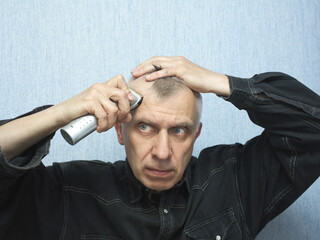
[136, 187]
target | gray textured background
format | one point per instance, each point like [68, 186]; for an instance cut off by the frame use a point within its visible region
[52, 50]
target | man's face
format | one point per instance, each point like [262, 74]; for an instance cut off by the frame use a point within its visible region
[159, 139]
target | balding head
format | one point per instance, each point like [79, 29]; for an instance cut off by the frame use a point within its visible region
[163, 88]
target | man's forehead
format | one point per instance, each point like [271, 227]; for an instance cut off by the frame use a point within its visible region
[171, 111]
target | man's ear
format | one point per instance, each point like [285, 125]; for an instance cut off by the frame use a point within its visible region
[199, 131]
[118, 127]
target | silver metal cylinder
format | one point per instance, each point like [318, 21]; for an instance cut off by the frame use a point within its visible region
[79, 129]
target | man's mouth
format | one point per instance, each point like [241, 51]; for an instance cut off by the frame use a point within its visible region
[153, 172]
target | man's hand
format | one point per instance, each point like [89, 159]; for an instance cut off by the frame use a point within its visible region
[20, 134]
[99, 100]
[196, 77]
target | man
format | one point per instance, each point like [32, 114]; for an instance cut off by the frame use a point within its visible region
[161, 191]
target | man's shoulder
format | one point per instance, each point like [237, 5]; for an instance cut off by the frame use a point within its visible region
[215, 157]
[98, 179]
[220, 153]
[214, 163]
[84, 170]
[85, 164]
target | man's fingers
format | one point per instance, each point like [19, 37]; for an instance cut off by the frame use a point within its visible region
[118, 82]
[116, 105]
[141, 70]
[151, 64]
[102, 118]
[109, 102]
[125, 119]
[159, 74]
[106, 122]
[122, 100]
[117, 91]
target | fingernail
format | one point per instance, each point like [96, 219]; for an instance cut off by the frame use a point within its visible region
[130, 96]
[134, 72]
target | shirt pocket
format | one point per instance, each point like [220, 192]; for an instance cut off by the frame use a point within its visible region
[220, 227]
[98, 237]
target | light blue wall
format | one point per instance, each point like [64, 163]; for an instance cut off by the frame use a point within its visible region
[51, 50]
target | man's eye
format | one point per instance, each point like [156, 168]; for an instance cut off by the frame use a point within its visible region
[179, 131]
[144, 127]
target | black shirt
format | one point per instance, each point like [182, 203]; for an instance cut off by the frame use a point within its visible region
[228, 192]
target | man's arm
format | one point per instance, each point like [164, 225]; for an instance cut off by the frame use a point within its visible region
[275, 168]
[18, 135]
[197, 78]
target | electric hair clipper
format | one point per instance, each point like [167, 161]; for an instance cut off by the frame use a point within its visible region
[85, 125]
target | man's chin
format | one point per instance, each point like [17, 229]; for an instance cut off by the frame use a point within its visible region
[159, 187]
[159, 180]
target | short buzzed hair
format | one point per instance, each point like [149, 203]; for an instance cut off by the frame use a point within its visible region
[167, 86]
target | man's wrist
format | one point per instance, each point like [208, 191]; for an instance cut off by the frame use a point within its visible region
[220, 85]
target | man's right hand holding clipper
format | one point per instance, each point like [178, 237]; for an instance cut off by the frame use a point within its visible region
[18, 135]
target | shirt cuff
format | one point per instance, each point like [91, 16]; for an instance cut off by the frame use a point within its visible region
[241, 93]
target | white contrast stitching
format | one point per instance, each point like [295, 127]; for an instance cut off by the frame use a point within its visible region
[104, 201]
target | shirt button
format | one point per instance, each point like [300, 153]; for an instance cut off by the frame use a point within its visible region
[218, 237]
[165, 210]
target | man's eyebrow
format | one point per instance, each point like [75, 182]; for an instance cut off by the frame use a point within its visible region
[146, 121]
[184, 124]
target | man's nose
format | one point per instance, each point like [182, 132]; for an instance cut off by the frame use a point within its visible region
[161, 146]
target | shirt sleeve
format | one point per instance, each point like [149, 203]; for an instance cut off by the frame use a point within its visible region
[275, 168]
[31, 195]
[31, 158]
